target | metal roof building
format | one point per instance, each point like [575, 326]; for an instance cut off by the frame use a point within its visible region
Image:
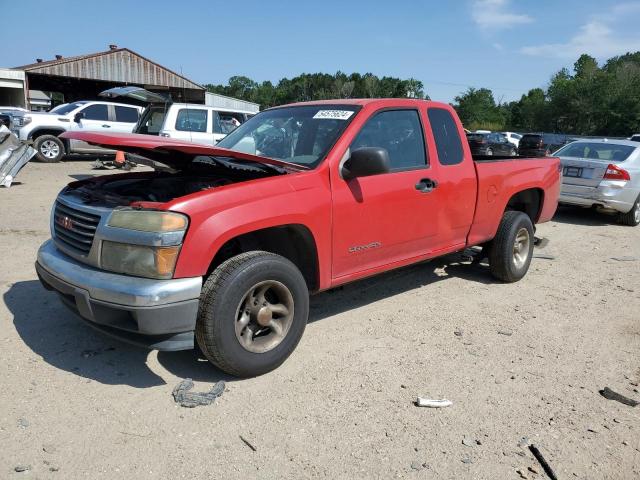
[84, 76]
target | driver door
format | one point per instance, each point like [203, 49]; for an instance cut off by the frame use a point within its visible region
[390, 217]
[95, 118]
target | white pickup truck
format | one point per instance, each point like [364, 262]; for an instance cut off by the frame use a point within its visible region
[43, 128]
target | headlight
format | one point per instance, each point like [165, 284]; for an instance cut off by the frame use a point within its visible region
[148, 220]
[139, 260]
[24, 121]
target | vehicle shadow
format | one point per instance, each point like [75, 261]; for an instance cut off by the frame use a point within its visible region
[65, 342]
[370, 290]
[583, 216]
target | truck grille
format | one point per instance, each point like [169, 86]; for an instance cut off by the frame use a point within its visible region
[74, 228]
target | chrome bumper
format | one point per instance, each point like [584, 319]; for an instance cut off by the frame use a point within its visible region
[158, 314]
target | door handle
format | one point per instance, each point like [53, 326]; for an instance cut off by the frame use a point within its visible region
[426, 185]
[106, 126]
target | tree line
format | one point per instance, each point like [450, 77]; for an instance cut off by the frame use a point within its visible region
[590, 99]
[319, 86]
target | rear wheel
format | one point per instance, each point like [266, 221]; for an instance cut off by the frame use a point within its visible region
[253, 311]
[489, 152]
[632, 217]
[49, 148]
[512, 248]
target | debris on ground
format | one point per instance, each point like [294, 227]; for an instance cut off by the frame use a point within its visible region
[505, 332]
[609, 394]
[468, 442]
[522, 473]
[23, 423]
[543, 256]
[248, 443]
[14, 155]
[458, 332]
[426, 402]
[185, 398]
[624, 258]
[22, 468]
[540, 242]
[543, 463]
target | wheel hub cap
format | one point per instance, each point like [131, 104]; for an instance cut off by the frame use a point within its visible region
[521, 248]
[264, 316]
[49, 149]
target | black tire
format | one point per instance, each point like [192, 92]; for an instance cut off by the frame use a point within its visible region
[632, 217]
[49, 148]
[220, 302]
[503, 262]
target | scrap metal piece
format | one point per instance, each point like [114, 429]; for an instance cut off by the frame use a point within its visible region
[185, 398]
[545, 466]
[14, 155]
[429, 403]
[248, 443]
[609, 394]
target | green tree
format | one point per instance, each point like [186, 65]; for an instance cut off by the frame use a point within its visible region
[477, 109]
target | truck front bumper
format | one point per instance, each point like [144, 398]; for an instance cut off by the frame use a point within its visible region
[157, 314]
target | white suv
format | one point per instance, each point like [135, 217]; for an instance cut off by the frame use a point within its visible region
[183, 121]
[43, 128]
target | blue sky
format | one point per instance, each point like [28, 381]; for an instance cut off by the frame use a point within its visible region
[509, 46]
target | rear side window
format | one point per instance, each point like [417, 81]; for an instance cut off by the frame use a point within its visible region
[126, 114]
[400, 133]
[445, 132]
[191, 120]
[96, 112]
[227, 122]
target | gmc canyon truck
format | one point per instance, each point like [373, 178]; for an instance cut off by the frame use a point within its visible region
[222, 245]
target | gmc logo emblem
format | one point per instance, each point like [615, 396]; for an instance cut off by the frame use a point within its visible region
[65, 222]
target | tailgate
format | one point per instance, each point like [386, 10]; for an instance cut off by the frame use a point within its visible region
[583, 171]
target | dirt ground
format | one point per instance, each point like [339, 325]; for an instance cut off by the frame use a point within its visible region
[519, 360]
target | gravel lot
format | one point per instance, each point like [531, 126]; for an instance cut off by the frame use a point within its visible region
[519, 360]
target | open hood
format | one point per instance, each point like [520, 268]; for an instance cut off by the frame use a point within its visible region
[174, 154]
[137, 93]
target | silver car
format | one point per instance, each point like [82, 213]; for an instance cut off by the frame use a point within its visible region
[604, 174]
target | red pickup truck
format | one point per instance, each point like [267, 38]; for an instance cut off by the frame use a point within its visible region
[221, 245]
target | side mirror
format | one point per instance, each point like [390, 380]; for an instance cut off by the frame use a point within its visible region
[78, 116]
[366, 161]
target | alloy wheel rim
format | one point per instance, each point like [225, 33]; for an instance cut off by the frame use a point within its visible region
[264, 316]
[636, 214]
[49, 149]
[521, 247]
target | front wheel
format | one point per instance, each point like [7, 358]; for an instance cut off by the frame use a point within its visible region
[632, 217]
[253, 311]
[49, 148]
[512, 248]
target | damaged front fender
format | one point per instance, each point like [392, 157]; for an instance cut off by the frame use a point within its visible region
[14, 155]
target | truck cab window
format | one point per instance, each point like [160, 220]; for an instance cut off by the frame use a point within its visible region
[96, 112]
[445, 132]
[400, 133]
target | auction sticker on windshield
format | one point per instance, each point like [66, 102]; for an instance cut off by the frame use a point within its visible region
[333, 114]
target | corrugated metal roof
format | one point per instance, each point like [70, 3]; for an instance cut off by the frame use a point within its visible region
[116, 65]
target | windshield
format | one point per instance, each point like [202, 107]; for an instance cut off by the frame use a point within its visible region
[66, 108]
[301, 135]
[596, 151]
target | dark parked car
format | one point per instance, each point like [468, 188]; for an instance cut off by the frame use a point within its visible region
[490, 144]
[5, 119]
[541, 144]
